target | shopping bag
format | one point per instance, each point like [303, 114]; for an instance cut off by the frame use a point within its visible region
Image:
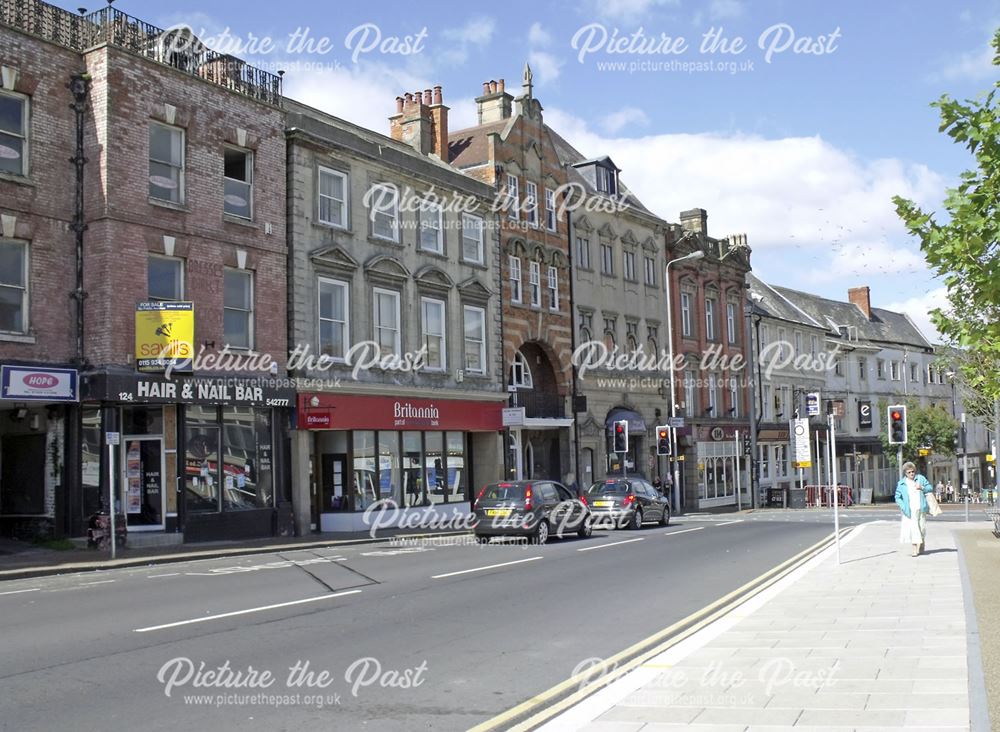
[932, 505]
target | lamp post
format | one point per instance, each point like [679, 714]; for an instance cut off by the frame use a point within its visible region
[697, 254]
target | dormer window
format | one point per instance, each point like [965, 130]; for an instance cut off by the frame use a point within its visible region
[607, 181]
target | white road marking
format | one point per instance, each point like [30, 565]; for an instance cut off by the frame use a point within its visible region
[169, 574]
[683, 531]
[483, 569]
[614, 543]
[99, 582]
[726, 523]
[245, 612]
[17, 592]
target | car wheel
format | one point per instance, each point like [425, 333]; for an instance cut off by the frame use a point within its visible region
[636, 519]
[482, 539]
[586, 529]
[542, 532]
[665, 519]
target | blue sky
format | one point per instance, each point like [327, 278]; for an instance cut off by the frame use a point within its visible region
[802, 153]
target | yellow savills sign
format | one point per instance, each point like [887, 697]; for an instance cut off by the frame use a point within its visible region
[164, 335]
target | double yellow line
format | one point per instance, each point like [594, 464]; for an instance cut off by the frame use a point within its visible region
[542, 707]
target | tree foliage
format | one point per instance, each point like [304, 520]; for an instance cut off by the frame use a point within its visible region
[964, 250]
[926, 426]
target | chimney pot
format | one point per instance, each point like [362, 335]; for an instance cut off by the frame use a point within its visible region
[486, 88]
[437, 95]
[501, 85]
[427, 97]
[493, 86]
[399, 104]
[408, 97]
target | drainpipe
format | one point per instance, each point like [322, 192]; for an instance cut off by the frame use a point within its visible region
[79, 87]
[572, 343]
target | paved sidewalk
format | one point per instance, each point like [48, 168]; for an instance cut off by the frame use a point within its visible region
[878, 642]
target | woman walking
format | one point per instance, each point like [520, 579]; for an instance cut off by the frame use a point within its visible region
[911, 497]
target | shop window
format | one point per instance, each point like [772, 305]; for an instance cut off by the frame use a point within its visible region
[413, 461]
[201, 459]
[91, 440]
[389, 475]
[457, 480]
[365, 476]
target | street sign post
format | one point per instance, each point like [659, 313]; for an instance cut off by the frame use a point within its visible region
[812, 403]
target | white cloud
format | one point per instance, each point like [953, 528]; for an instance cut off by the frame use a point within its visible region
[917, 308]
[720, 9]
[546, 66]
[616, 121]
[804, 203]
[477, 32]
[627, 10]
[538, 36]
[969, 66]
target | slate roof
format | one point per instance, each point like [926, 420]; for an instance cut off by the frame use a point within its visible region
[469, 147]
[776, 305]
[885, 327]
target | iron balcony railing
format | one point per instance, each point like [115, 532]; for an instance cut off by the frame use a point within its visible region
[542, 404]
[176, 47]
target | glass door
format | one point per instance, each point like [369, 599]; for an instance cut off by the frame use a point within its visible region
[142, 493]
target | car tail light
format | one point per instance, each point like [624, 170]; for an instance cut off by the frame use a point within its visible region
[583, 500]
[629, 500]
[476, 503]
[527, 499]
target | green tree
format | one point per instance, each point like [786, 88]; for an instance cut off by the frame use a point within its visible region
[964, 249]
[926, 427]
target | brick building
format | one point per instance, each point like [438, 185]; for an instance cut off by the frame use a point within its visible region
[512, 150]
[708, 297]
[184, 198]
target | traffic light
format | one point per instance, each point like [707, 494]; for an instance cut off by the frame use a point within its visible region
[621, 437]
[662, 440]
[897, 424]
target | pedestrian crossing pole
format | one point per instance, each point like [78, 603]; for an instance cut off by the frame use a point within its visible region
[836, 501]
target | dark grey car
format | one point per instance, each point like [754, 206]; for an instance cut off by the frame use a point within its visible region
[533, 508]
[631, 502]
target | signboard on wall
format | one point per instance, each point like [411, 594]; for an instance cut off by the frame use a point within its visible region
[355, 412]
[865, 415]
[164, 336]
[27, 383]
[800, 442]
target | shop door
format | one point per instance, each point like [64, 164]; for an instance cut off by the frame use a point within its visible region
[142, 482]
[334, 476]
[22, 474]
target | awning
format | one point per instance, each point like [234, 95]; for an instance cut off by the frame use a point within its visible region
[636, 424]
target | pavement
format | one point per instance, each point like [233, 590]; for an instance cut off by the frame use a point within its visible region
[881, 640]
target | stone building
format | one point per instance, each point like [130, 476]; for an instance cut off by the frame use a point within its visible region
[512, 150]
[394, 282]
[620, 309]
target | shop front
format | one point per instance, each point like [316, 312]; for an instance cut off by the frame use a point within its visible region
[36, 404]
[722, 470]
[424, 455]
[192, 455]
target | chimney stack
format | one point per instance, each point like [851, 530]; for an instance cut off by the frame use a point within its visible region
[421, 121]
[495, 104]
[861, 297]
[695, 219]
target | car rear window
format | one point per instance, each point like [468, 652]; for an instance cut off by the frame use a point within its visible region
[617, 486]
[503, 492]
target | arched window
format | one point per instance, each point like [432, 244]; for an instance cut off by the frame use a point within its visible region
[520, 374]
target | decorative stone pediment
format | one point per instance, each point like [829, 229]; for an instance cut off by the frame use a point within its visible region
[649, 244]
[558, 258]
[590, 427]
[629, 239]
[387, 269]
[607, 232]
[517, 248]
[582, 223]
[433, 278]
[334, 257]
[474, 290]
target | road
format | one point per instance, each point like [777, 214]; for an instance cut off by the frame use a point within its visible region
[410, 637]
